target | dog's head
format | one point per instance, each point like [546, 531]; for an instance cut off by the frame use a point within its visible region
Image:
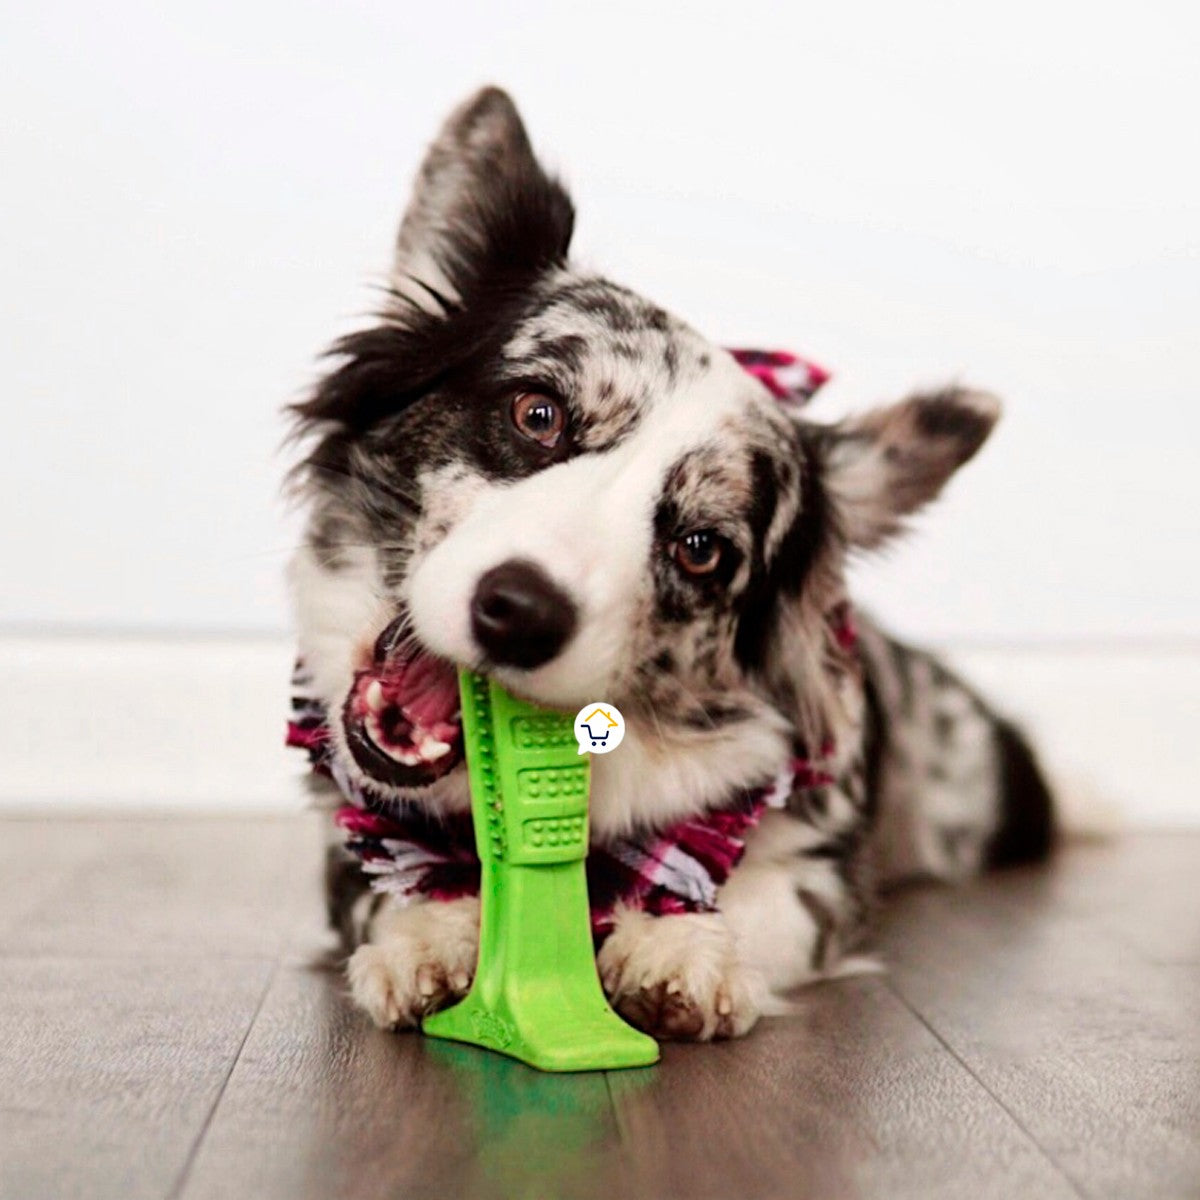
[567, 487]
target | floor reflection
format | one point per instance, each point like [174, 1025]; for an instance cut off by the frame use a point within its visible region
[531, 1127]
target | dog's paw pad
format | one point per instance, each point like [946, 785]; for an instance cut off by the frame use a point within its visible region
[664, 1010]
[670, 1011]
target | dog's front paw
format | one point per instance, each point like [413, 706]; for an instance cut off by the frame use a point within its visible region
[419, 960]
[677, 977]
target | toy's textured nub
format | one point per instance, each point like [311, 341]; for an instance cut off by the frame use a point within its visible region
[536, 994]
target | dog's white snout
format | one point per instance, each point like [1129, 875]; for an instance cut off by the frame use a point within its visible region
[541, 578]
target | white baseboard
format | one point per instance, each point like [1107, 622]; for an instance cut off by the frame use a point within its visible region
[1118, 721]
[136, 722]
[131, 722]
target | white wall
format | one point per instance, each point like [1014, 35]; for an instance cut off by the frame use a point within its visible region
[194, 197]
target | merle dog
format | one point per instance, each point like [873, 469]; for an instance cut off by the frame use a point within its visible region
[527, 469]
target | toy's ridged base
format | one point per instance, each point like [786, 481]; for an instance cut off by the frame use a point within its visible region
[537, 996]
[582, 1036]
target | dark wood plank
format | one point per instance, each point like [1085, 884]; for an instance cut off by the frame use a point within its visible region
[108, 1071]
[1092, 1045]
[321, 1104]
[850, 1097]
[1039, 1035]
[170, 885]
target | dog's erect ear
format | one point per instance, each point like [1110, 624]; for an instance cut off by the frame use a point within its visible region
[886, 464]
[485, 221]
[482, 208]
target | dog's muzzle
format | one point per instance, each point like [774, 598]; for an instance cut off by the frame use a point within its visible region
[519, 616]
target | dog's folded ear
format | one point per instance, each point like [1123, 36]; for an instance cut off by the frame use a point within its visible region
[483, 210]
[889, 462]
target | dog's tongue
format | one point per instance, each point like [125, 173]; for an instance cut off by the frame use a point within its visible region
[418, 692]
[429, 692]
[402, 715]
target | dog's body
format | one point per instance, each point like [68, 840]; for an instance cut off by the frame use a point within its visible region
[534, 472]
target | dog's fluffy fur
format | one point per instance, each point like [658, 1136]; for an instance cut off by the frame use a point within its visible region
[417, 483]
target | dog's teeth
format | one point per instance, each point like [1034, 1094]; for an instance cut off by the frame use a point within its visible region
[375, 696]
[432, 749]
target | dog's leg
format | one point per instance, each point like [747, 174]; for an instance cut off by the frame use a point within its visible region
[788, 914]
[792, 906]
[414, 959]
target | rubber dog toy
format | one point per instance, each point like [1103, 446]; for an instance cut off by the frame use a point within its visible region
[536, 995]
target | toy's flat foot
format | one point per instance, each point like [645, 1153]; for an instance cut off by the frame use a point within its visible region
[573, 1037]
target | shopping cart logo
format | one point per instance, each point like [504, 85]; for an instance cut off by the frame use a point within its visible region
[597, 725]
[599, 728]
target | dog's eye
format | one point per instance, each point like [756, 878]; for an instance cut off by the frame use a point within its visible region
[539, 418]
[698, 553]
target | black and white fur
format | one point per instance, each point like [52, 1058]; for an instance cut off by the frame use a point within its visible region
[417, 484]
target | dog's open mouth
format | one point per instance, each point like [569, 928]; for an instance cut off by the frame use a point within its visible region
[402, 717]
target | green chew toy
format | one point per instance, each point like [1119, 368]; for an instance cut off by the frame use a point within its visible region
[536, 995]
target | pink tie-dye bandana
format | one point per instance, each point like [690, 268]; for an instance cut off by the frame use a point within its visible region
[789, 378]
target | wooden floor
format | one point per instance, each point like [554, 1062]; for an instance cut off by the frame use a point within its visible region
[163, 1033]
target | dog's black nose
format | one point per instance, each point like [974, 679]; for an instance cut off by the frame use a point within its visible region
[519, 616]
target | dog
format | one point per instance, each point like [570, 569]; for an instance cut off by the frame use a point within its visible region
[529, 470]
